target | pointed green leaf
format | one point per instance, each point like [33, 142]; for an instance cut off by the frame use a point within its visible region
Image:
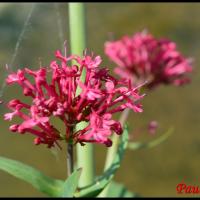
[159, 140]
[119, 190]
[37, 179]
[71, 184]
[102, 181]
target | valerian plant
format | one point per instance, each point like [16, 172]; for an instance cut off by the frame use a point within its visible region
[76, 89]
[142, 57]
[102, 95]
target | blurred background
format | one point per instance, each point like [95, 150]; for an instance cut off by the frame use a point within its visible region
[150, 172]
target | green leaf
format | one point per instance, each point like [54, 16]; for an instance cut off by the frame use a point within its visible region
[119, 190]
[51, 187]
[102, 181]
[71, 184]
[159, 140]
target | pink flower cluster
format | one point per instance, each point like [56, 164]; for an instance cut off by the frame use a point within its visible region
[143, 57]
[101, 95]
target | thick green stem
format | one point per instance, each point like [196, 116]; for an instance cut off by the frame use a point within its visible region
[85, 159]
[85, 154]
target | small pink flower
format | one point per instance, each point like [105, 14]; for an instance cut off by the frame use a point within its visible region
[14, 127]
[101, 96]
[143, 57]
[31, 123]
[152, 127]
[18, 77]
[9, 116]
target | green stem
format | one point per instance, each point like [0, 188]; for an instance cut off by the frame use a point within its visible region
[70, 159]
[85, 154]
[70, 154]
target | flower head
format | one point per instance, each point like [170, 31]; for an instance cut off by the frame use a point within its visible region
[152, 127]
[101, 95]
[143, 57]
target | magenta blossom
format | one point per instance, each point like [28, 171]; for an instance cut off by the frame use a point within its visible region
[143, 57]
[101, 95]
[152, 127]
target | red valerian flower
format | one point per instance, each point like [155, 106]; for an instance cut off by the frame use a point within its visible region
[152, 127]
[100, 96]
[143, 57]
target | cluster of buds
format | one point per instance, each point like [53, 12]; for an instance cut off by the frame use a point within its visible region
[60, 91]
[143, 57]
